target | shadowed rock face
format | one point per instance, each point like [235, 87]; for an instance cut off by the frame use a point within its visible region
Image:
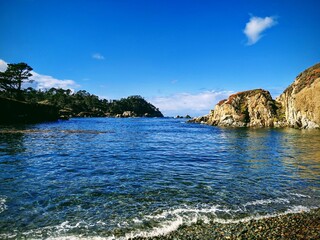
[301, 100]
[298, 106]
[13, 111]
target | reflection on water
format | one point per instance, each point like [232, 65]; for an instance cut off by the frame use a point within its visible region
[301, 150]
[104, 177]
[11, 142]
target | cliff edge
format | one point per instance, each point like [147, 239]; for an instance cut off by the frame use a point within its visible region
[301, 100]
[298, 106]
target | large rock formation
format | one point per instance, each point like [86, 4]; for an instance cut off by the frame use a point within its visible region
[254, 108]
[298, 106]
[301, 100]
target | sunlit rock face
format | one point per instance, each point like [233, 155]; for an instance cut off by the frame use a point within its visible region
[301, 100]
[254, 108]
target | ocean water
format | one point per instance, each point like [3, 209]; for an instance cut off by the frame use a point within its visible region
[108, 178]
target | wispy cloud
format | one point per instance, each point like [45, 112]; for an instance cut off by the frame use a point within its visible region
[188, 103]
[47, 82]
[98, 56]
[256, 26]
[44, 81]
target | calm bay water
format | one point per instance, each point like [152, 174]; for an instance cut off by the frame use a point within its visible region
[117, 178]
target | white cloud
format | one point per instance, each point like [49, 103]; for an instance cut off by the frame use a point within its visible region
[43, 81]
[187, 103]
[256, 26]
[3, 65]
[47, 82]
[98, 56]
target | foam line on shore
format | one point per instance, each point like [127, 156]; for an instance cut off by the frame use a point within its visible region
[293, 209]
[166, 227]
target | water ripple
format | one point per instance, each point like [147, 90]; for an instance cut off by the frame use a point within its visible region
[120, 177]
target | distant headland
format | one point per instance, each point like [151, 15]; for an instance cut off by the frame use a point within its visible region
[29, 105]
[298, 106]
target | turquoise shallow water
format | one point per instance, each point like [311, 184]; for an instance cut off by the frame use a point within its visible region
[116, 178]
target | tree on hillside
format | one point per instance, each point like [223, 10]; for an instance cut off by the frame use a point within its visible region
[11, 80]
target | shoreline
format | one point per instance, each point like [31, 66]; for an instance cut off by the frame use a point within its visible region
[302, 225]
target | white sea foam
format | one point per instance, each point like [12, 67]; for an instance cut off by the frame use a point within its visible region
[266, 202]
[173, 225]
[164, 229]
[172, 219]
[169, 221]
[3, 205]
[293, 209]
[300, 195]
[186, 210]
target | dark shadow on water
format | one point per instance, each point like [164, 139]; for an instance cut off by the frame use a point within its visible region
[12, 139]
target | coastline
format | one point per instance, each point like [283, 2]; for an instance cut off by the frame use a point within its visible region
[302, 225]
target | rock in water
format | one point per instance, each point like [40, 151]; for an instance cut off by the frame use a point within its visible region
[301, 100]
[127, 114]
[254, 108]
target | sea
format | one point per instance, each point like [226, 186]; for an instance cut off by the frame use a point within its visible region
[116, 178]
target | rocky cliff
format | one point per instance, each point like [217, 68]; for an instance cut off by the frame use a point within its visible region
[301, 100]
[254, 108]
[298, 106]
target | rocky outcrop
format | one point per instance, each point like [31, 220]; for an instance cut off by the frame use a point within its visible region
[132, 114]
[127, 114]
[186, 116]
[254, 108]
[298, 106]
[301, 100]
[201, 119]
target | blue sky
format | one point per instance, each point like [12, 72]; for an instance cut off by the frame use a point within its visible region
[183, 56]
